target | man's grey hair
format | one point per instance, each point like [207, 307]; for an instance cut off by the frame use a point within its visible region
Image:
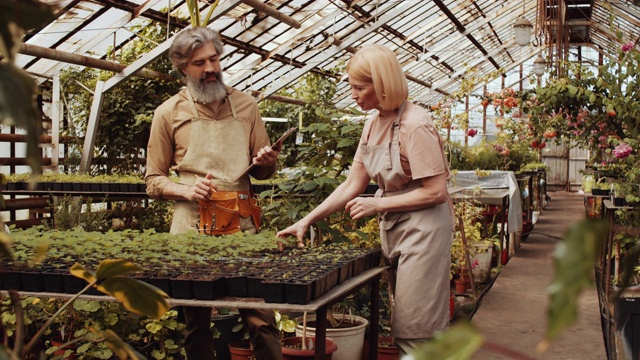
[189, 40]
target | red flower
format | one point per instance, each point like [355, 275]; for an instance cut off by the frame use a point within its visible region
[549, 134]
[472, 132]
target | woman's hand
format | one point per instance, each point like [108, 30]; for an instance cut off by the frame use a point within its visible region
[201, 188]
[361, 207]
[298, 230]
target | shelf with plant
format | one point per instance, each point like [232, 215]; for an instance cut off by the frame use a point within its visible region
[469, 213]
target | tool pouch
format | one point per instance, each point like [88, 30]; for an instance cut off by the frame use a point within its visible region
[220, 215]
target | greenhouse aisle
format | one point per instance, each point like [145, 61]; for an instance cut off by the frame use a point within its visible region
[513, 312]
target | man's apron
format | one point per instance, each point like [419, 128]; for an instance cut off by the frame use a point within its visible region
[219, 147]
[416, 244]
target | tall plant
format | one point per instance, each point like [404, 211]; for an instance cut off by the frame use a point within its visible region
[320, 161]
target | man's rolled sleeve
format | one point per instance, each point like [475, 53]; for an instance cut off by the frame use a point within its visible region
[159, 156]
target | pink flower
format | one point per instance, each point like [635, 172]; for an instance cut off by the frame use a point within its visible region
[472, 132]
[622, 151]
[628, 46]
[475, 263]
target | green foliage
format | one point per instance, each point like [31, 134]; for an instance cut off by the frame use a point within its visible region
[70, 213]
[160, 338]
[318, 92]
[136, 296]
[321, 161]
[504, 154]
[110, 278]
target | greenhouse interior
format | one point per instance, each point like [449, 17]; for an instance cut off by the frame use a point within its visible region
[444, 179]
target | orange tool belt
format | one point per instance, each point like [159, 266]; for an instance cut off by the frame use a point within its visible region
[220, 215]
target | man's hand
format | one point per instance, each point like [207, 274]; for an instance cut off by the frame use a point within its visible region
[201, 188]
[267, 156]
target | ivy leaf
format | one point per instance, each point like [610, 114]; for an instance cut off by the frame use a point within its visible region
[79, 271]
[115, 267]
[574, 258]
[459, 342]
[136, 296]
[120, 348]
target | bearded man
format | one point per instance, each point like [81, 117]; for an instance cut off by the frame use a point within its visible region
[209, 133]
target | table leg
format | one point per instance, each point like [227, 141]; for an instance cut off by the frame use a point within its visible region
[607, 255]
[374, 318]
[321, 333]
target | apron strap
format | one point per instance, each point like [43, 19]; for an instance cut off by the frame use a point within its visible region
[233, 108]
[395, 136]
[192, 104]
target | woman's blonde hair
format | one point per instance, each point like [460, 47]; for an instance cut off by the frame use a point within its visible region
[379, 65]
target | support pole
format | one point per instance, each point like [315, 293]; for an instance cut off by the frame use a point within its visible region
[92, 128]
[56, 116]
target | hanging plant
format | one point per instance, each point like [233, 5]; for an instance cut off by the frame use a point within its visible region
[194, 13]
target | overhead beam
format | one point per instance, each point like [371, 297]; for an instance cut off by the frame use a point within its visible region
[248, 67]
[443, 7]
[472, 29]
[401, 36]
[448, 81]
[95, 40]
[396, 11]
[159, 50]
[46, 53]
[272, 12]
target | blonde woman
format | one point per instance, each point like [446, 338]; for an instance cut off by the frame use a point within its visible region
[401, 150]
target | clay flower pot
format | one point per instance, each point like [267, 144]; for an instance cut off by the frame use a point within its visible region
[387, 349]
[292, 349]
[241, 350]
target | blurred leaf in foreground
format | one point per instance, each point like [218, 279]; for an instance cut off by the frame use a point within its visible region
[459, 342]
[574, 260]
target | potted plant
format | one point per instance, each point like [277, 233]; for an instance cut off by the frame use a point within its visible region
[601, 188]
[347, 331]
[303, 348]
[387, 348]
[243, 350]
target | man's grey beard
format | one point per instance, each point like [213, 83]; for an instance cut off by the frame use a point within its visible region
[204, 92]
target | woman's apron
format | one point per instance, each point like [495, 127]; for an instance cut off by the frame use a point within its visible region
[416, 244]
[219, 147]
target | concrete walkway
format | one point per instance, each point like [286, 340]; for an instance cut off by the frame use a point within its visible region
[513, 312]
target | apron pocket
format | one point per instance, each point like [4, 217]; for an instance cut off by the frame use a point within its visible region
[389, 220]
[218, 216]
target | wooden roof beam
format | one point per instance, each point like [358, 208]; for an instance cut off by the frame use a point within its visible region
[272, 12]
[52, 54]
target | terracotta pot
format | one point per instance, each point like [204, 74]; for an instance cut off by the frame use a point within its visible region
[387, 350]
[290, 352]
[241, 350]
[461, 286]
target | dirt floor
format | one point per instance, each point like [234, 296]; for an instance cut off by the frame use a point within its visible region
[512, 312]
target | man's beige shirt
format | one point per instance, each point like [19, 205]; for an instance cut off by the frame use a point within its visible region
[171, 130]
